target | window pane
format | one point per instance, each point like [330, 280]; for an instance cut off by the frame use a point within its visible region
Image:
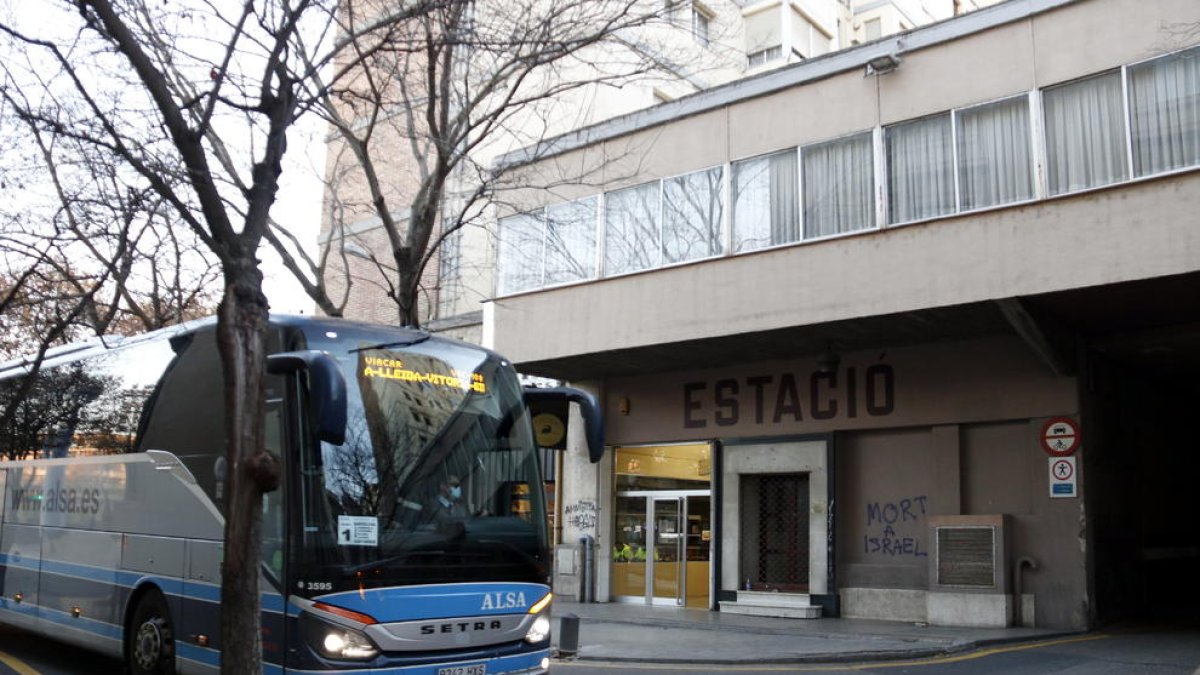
[873, 29]
[1085, 133]
[700, 24]
[692, 210]
[631, 232]
[994, 159]
[765, 209]
[839, 180]
[920, 162]
[571, 241]
[520, 257]
[449, 274]
[1164, 103]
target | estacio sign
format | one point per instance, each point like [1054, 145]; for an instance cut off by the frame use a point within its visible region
[789, 397]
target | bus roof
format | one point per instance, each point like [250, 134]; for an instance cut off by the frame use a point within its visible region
[101, 345]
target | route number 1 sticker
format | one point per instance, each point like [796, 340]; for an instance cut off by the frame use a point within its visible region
[358, 531]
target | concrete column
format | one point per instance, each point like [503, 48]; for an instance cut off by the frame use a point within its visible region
[586, 509]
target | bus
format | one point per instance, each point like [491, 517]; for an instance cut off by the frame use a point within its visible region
[408, 534]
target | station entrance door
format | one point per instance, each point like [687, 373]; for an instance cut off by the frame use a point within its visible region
[662, 536]
[661, 552]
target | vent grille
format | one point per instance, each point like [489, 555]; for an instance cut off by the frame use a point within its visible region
[966, 556]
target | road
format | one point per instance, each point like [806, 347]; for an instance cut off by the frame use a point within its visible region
[1161, 651]
[1143, 652]
[25, 654]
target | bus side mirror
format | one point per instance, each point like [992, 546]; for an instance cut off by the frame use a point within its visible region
[326, 390]
[588, 408]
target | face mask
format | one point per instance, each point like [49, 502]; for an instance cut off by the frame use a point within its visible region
[456, 492]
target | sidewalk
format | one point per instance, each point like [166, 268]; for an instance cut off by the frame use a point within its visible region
[655, 634]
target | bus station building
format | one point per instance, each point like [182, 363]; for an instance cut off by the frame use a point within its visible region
[906, 331]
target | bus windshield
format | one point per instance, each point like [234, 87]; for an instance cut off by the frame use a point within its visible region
[438, 479]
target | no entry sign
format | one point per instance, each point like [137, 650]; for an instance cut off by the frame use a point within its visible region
[1060, 437]
[1063, 478]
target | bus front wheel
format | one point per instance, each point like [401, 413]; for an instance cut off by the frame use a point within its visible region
[151, 642]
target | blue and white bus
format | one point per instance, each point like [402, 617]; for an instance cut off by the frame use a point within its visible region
[409, 534]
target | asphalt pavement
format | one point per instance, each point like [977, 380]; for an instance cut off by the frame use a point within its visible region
[657, 634]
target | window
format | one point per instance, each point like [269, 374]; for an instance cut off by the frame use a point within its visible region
[920, 161]
[765, 204]
[520, 256]
[693, 208]
[839, 179]
[631, 229]
[995, 161]
[450, 287]
[872, 30]
[1164, 110]
[700, 21]
[764, 56]
[1085, 133]
[571, 241]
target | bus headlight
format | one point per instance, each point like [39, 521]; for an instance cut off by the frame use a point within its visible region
[337, 642]
[539, 631]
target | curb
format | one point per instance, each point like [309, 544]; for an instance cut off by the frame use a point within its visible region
[826, 657]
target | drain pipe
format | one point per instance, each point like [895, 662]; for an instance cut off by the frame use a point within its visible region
[589, 562]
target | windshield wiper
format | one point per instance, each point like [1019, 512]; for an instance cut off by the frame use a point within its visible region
[416, 340]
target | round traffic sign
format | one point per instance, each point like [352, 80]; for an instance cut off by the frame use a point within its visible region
[1063, 469]
[1060, 437]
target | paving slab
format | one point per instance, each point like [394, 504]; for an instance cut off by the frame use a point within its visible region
[658, 634]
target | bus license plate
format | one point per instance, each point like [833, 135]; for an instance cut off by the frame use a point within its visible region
[477, 669]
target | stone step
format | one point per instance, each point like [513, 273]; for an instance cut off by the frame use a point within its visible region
[785, 612]
[774, 599]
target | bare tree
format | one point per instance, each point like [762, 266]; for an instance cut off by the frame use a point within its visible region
[420, 109]
[191, 103]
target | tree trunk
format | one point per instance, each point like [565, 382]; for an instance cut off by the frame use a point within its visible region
[241, 334]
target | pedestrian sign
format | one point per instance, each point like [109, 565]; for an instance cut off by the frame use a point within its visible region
[1060, 437]
[1063, 477]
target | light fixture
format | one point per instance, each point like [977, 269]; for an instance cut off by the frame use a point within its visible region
[881, 65]
[623, 405]
[829, 361]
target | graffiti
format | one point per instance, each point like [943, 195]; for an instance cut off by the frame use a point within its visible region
[582, 515]
[883, 518]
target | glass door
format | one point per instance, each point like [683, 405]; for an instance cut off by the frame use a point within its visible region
[667, 552]
[629, 548]
[661, 549]
[698, 549]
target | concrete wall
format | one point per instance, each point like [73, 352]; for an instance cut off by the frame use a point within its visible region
[891, 483]
[944, 383]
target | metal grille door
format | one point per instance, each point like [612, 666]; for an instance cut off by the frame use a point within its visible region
[774, 526]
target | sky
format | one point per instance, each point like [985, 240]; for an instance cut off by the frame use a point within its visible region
[298, 203]
[298, 208]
